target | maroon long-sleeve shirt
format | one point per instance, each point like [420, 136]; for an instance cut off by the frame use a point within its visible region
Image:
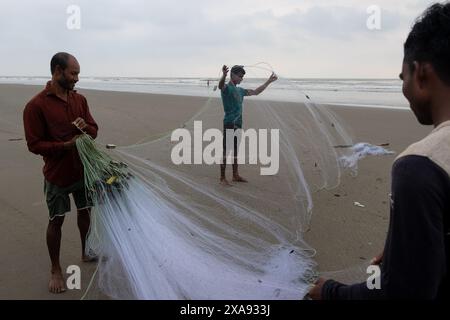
[48, 124]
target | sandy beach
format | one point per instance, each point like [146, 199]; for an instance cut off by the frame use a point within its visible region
[344, 235]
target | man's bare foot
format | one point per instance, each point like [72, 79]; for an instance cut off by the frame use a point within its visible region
[56, 284]
[238, 178]
[224, 182]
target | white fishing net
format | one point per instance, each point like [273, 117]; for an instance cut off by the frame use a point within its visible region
[171, 231]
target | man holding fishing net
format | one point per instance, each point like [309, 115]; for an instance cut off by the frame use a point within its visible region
[415, 263]
[52, 121]
[232, 99]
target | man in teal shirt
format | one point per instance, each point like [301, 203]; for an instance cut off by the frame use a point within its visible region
[232, 99]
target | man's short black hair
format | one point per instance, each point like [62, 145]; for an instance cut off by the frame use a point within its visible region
[238, 69]
[59, 59]
[429, 40]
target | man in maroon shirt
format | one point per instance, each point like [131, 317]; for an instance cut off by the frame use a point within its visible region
[51, 119]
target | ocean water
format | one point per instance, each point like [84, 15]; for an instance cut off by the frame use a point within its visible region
[380, 93]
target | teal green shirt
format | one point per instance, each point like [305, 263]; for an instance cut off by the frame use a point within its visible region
[232, 98]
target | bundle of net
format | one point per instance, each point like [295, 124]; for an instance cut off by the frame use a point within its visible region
[163, 225]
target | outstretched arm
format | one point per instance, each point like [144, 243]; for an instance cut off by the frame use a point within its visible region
[263, 87]
[224, 75]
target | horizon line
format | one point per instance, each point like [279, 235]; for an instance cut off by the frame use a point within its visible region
[203, 77]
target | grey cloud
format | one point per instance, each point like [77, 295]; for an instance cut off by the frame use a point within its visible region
[118, 37]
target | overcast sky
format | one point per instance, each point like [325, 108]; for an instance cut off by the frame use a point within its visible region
[310, 38]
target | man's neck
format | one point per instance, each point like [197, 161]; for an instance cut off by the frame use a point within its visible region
[59, 91]
[441, 109]
[441, 119]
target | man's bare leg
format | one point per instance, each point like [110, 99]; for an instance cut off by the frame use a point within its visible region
[84, 221]
[223, 179]
[56, 284]
[236, 176]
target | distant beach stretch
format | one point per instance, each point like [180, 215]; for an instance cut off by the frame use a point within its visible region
[378, 93]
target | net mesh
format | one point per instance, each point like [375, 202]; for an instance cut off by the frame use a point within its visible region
[165, 230]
